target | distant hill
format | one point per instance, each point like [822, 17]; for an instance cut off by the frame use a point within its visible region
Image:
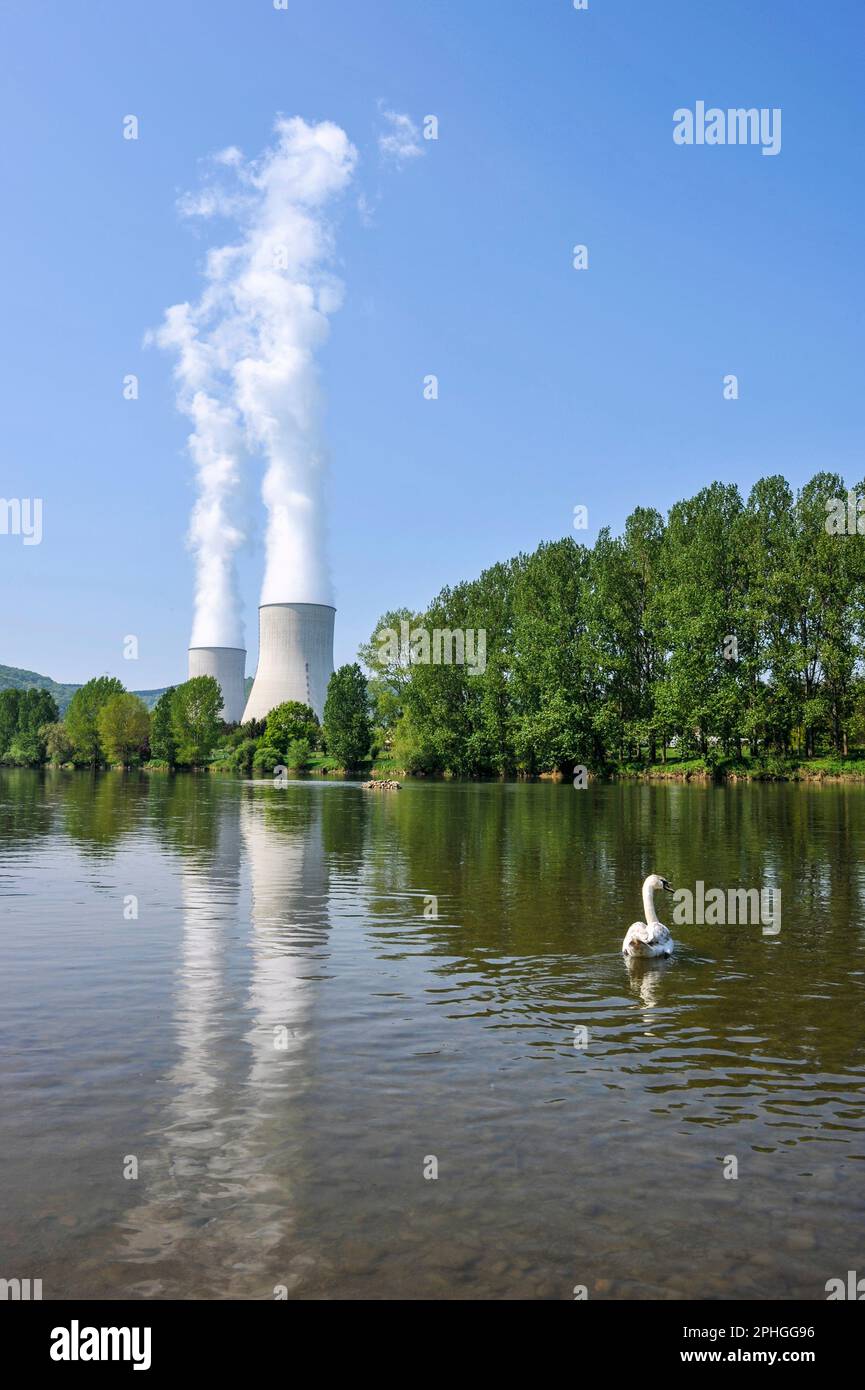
[12, 678]
[150, 697]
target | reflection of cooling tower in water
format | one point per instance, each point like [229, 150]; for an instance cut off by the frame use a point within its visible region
[210, 886]
[295, 657]
[288, 881]
[218, 1197]
[186, 1172]
[228, 667]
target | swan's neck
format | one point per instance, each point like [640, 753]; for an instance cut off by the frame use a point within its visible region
[649, 904]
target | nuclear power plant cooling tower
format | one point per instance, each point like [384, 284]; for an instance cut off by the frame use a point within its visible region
[228, 666]
[295, 657]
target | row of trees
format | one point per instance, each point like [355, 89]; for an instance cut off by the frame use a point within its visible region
[23, 716]
[106, 725]
[729, 629]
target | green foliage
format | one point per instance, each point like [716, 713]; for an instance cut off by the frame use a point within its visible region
[460, 717]
[241, 757]
[195, 719]
[163, 744]
[27, 749]
[412, 749]
[124, 724]
[37, 707]
[347, 725]
[386, 658]
[291, 722]
[298, 754]
[83, 714]
[23, 716]
[10, 701]
[733, 629]
[58, 744]
[265, 758]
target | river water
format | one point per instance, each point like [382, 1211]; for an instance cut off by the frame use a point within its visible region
[243, 1026]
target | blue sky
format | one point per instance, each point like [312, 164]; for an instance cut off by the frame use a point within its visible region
[557, 387]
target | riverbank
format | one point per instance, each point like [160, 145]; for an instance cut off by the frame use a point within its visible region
[687, 770]
[774, 769]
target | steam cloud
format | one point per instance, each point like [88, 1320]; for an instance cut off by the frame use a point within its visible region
[246, 368]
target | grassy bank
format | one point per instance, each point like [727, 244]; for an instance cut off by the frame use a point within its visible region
[746, 769]
[322, 765]
[825, 769]
[771, 769]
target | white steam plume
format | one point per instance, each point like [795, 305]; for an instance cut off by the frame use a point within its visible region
[216, 446]
[246, 355]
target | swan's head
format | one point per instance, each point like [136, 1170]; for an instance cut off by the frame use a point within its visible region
[655, 882]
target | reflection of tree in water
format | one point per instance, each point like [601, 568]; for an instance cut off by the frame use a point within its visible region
[218, 1205]
[99, 809]
[26, 805]
[537, 883]
[185, 810]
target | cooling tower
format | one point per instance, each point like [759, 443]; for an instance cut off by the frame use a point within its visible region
[295, 657]
[228, 666]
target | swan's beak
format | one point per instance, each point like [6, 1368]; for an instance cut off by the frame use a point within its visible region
[668, 887]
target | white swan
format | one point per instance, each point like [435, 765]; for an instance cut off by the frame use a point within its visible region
[649, 938]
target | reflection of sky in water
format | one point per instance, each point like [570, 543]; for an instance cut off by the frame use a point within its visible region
[302, 909]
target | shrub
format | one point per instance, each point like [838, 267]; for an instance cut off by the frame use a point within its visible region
[266, 758]
[299, 754]
[241, 758]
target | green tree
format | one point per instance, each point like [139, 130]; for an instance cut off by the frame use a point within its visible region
[26, 750]
[10, 701]
[347, 725]
[298, 754]
[83, 714]
[412, 748]
[23, 717]
[243, 754]
[767, 622]
[266, 757]
[124, 724]
[195, 719]
[386, 657]
[833, 571]
[58, 744]
[163, 744]
[556, 685]
[703, 585]
[627, 635]
[290, 722]
[459, 715]
[36, 707]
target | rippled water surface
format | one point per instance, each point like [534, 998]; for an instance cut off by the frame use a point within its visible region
[285, 1036]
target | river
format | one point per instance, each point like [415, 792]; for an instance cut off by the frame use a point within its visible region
[314, 1041]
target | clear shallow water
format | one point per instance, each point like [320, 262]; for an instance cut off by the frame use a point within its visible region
[302, 909]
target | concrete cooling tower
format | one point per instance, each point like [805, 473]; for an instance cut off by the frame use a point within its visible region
[228, 666]
[295, 657]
